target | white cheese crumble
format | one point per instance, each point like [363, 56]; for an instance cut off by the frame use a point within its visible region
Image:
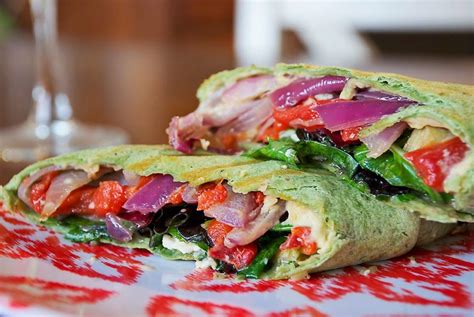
[204, 144]
[291, 133]
[172, 243]
[205, 263]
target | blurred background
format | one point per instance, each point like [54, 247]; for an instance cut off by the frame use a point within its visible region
[136, 63]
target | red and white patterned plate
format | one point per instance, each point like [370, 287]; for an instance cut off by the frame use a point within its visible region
[42, 274]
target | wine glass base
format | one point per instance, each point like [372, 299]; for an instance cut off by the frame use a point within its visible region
[30, 142]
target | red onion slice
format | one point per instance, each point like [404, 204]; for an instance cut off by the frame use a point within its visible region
[349, 114]
[266, 219]
[225, 113]
[379, 95]
[233, 106]
[61, 187]
[248, 88]
[182, 131]
[116, 229]
[24, 189]
[301, 89]
[137, 218]
[190, 195]
[153, 196]
[236, 211]
[258, 111]
[211, 101]
[379, 143]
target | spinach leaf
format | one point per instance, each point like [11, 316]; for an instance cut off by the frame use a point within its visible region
[269, 246]
[80, 229]
[282, 150]
[404, 197]
[323, 152]
[281, 228]
[295, 153]
[79, 235]
[397, 171]
[200, 242]
[174, 233]
[155, 241]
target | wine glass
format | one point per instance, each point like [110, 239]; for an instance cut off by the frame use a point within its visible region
[50, 128]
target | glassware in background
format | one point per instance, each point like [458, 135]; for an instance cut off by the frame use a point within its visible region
[50, 129]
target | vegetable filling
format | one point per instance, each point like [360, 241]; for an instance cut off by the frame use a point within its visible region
[238, 232]
[319, 122]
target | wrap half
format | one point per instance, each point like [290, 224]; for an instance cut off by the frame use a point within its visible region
[232, 213]
[405, 140]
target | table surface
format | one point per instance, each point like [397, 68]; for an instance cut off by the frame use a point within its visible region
[44, 275]
[140, 86]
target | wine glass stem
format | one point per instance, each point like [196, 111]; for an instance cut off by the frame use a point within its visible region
[45, 93]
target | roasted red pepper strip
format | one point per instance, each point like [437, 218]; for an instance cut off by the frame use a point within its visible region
[79, 201]
[351, 134]
[433, 163]
[39, 189]
[259, 198]
[109, 197]
[177, 197]
[303, 112]
[239, 256]
[211, 194]
[272, 132]
[300, 238]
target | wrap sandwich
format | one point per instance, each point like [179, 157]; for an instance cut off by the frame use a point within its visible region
[232, 213]
[404, 140]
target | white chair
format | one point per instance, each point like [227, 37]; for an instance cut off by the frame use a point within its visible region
[330, 29]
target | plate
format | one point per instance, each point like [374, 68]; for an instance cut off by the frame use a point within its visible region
[41, 274]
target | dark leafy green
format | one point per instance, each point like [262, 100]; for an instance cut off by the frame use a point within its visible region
[156, 245]
[224, 267]
[282, 150]
[174, 232]
[296, 153]
[395, 170]
[84, 230]
[268, 246]
[282, 228]
[198, 240]
[377, 185]
[323, 152]
[320, 135]
[155, 241]
[404, 197]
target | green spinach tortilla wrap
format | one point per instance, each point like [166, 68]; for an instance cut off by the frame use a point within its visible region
[405, 140]
[232, 213]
